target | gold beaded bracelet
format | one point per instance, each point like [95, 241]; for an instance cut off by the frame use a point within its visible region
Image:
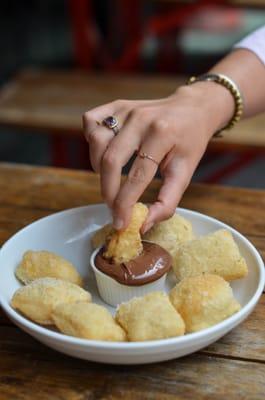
[233, 89]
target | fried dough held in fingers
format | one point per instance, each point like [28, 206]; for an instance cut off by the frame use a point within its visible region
[126, 244]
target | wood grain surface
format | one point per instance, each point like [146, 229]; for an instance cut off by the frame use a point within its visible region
[56, 99]
[53, 101]
[233, 367]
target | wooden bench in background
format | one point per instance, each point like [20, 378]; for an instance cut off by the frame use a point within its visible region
[53, 101]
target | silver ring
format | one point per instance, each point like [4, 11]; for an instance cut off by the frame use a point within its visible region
[145, 155]
[112, 123]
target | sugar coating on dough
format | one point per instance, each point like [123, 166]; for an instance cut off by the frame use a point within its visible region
[126, 244]
[203, 301]
[216, 253]
[171, 233]
[100, 236]
[150, 317]
[37, 300]
[42, 264]
[87, 321]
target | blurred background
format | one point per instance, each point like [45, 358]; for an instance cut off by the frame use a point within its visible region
[61, 57]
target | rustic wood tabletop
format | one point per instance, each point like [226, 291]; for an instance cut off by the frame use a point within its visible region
[232, 368]
[53, 101]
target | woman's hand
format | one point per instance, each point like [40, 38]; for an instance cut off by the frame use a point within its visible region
[174, 131]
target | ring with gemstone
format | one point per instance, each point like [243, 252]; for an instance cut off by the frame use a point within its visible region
[112, 123]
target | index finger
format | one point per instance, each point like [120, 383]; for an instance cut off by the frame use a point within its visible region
[94, 117]
[141, 174]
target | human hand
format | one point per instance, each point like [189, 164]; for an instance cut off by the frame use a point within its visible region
[174, 131]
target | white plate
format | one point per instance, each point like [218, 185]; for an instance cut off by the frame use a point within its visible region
[67, 233]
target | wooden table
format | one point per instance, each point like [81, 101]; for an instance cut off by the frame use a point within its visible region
[53, 101]
[232, 368]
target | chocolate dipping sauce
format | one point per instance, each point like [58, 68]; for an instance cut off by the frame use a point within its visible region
[149, 266]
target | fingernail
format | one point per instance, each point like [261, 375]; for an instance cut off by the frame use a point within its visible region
[147, 227]
[118, 223]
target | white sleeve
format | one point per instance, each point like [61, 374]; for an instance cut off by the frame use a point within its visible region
[255, 42]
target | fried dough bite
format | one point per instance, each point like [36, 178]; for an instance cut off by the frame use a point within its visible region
[216, 253]
[203, 301]
[99, 237]
[38, 299]
[126, 244]
[44, 264]
[150, 317]
[87, 321]
[171, 233]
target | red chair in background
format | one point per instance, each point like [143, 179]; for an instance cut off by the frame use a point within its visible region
[126, 17]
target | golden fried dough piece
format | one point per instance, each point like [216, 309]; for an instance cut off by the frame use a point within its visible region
[216, 253]
[88, 321]
[150, 317]
[37, 300]
[100, 236]
[203, 301]
[42, 264]
[126, 244]
[171, 233]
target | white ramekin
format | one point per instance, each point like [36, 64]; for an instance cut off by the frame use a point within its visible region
[114, 293]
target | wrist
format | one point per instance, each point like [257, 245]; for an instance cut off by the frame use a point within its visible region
[216, 104]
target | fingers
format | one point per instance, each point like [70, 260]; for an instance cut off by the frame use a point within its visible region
[174, 184]
[141, 174]
[97, 135]
[93, 118]
[119, 152]
[98, 140]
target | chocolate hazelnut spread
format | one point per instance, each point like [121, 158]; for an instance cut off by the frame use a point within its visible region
[149, 266]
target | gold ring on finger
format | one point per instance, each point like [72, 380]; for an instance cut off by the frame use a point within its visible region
[147, 156]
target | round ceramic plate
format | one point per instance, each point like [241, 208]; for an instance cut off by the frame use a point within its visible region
[68, 234]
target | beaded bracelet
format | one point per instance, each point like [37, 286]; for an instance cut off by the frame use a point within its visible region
[233, 89]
